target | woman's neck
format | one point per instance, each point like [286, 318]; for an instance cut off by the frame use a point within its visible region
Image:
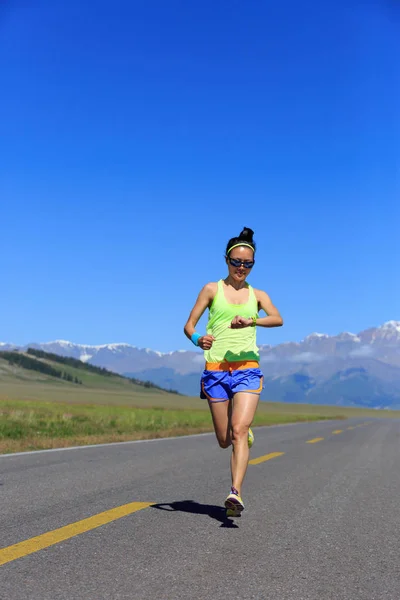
[238, 285]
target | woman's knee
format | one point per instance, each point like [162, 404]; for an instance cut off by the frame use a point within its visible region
[239, 430]
[224, 442]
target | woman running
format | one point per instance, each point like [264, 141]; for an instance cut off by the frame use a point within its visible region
[232, 380]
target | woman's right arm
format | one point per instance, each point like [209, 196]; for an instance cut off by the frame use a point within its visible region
[204, 300]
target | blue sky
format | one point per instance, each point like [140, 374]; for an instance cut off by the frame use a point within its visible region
[138, 137]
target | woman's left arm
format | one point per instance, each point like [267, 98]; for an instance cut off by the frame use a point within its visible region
[273, 318]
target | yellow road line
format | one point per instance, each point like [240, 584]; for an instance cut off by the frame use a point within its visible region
[64, 533]
[260, 459]
[338, 431]
[314, 441]
[351, 428]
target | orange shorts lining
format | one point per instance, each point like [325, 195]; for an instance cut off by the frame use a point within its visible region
[255, 391]
[232, 366]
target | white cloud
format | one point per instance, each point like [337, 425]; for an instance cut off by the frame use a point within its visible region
[268, 358]
[307, 357]
[362, 351]
[198, 359]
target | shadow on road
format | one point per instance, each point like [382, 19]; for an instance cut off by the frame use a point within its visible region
[190, 506]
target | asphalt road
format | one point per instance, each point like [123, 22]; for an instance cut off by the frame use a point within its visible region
[322, 518]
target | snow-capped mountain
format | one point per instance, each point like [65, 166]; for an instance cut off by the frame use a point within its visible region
[382, 343]
[389, 333]
[378, 341]
[4, 346]
[117, 357]
[320, 368]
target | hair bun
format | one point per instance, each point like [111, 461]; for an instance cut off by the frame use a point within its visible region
[246, 234]
[245, 237]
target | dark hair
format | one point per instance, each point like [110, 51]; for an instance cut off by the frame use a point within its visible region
[246, 236]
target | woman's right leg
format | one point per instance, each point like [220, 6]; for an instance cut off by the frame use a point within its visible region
[221, 416]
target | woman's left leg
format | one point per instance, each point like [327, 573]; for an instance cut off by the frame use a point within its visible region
[243, 411]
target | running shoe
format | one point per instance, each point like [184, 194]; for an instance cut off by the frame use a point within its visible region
[250, 438]
[234, 504]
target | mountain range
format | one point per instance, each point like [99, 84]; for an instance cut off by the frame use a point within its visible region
[345, 370]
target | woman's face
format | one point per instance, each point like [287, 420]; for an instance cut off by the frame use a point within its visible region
[242, 258]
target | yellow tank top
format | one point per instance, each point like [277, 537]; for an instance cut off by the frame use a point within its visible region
[231, 344]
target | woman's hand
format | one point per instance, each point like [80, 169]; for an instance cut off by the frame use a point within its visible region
[206, 341]
[239, 322]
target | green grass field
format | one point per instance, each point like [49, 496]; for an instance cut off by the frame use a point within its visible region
[30, 423]
[38, 411]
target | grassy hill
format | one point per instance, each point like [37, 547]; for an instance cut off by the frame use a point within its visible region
[38, 369]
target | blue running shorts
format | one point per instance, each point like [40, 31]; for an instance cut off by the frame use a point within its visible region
[220, 386]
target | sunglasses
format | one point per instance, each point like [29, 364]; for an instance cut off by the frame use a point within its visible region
[236, 262]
